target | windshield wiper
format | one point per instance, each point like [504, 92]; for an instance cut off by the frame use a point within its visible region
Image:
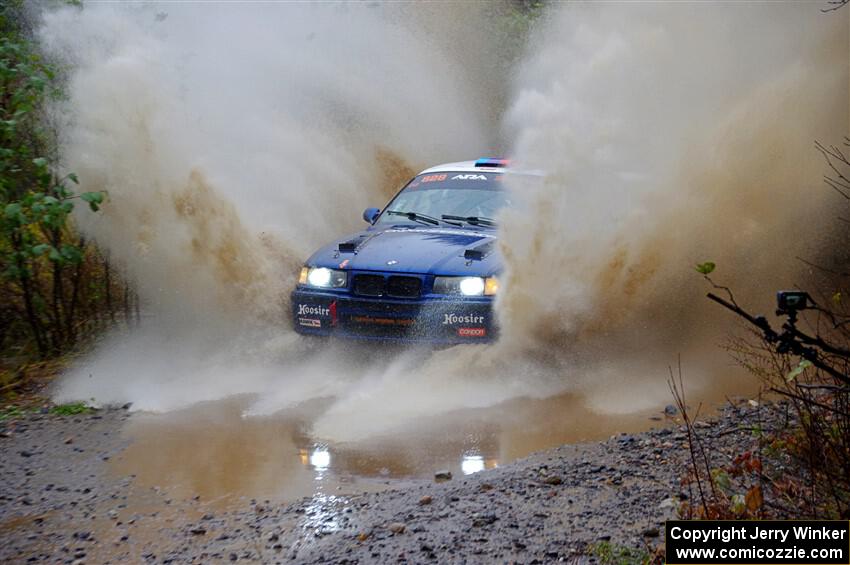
[417, 217]
[473, 220]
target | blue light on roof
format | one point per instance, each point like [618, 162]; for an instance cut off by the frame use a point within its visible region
[491, 162]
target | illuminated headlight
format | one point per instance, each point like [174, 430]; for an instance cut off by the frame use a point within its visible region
[320, 277]
[466, 286]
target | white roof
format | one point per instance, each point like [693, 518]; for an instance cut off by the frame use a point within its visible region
[469, 167]
[462, 167]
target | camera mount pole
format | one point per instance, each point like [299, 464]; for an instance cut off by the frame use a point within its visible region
[791, 340]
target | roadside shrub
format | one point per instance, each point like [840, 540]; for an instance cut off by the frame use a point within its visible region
[802, 468]
[608, 553]
[55, 287]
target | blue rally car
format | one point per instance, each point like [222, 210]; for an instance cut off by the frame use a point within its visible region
[426, 269]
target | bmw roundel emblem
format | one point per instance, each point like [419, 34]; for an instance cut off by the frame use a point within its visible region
[392, 262]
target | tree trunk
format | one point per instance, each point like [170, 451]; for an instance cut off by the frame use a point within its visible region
[58, 299]
[137, 308]
[127, 304]
[70, 331]
[29, 306]
[108, 285]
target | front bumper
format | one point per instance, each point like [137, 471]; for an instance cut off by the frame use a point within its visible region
[428, 320]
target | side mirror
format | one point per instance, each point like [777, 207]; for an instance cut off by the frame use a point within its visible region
[371, 214]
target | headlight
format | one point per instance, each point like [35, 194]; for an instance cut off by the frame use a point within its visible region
[320, 277]
[466, 286]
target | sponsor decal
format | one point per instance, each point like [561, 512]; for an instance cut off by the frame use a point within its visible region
[382, 321]
[310, 322]
[471, 332]
[344, 264]
[434, 178]
[452, 319]
[469, 177]
[307, 310]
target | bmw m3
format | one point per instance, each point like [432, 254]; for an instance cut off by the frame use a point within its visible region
[426, 269]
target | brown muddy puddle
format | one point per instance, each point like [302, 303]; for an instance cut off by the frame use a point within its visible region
[211, 451]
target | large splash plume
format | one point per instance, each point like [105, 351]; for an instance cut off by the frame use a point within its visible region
[671, 135]
[233, 141]
[668, 135]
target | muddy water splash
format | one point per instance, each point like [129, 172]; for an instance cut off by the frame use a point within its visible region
[672, 135]
[201, 153]
[232, 142]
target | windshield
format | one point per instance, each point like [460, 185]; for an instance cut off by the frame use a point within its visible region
[460, 194]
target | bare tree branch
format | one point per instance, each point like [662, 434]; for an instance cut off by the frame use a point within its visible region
[725, 289]
[822, 268]
[834, 5]
[834, 157]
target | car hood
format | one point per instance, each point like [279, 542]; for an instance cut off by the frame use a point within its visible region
[425, 250]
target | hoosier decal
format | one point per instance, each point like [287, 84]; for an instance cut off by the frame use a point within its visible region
[452, 319]
[307, 310]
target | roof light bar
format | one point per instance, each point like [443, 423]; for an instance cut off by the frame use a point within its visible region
[491, 162]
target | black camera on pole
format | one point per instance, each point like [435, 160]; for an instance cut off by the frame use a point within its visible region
[792, 301]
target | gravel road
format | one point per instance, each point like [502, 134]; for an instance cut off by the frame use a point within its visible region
[59, 503]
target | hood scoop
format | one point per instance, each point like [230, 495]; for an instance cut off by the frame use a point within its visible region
[352, 245]
[479, 252]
